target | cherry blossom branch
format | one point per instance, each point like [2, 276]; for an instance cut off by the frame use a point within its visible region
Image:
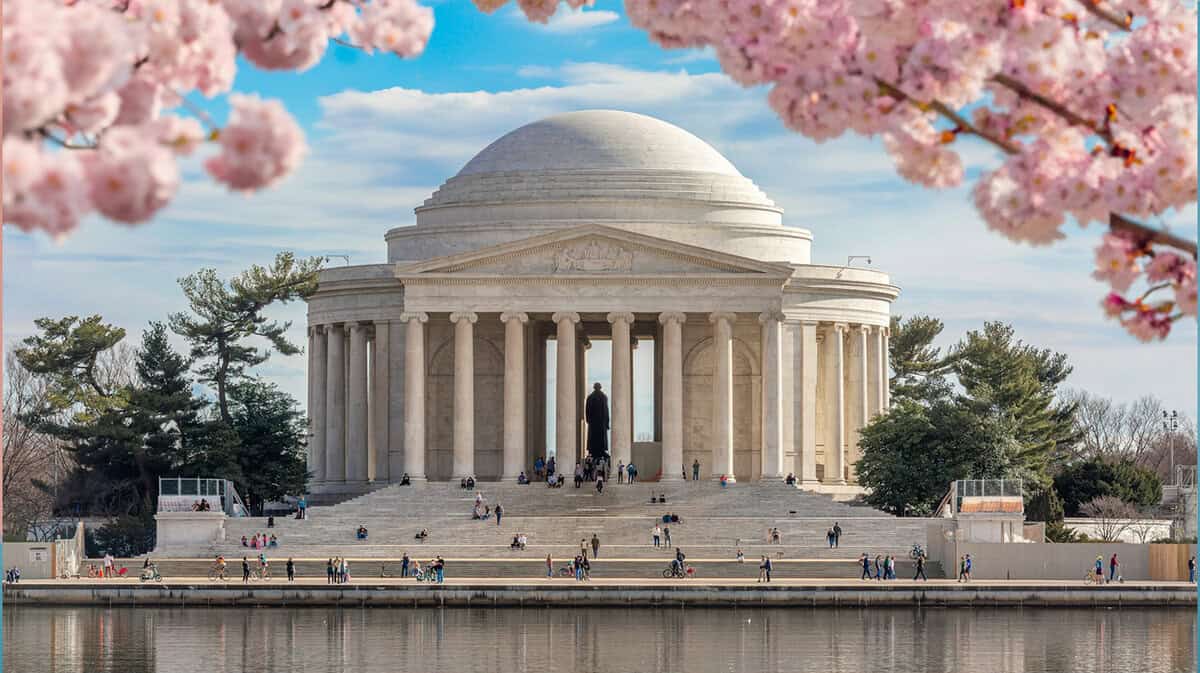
[63, 143]
[1121, 22]
[1116, 221]
[198, 111]
[1054, 106]
[946, 111]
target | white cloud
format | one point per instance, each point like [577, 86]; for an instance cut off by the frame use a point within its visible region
[376, 155]
[567, 20]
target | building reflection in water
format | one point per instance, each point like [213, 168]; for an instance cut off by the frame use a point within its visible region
[532, 640]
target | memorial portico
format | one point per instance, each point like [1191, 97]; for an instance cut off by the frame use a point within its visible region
[434, 364]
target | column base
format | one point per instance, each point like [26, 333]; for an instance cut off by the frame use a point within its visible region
[809, 482]
[837, 482]
[675, 477]
[414, 478]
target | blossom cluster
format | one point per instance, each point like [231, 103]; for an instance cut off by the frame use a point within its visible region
[1170, 278]
[96, 95]
[1091, 102]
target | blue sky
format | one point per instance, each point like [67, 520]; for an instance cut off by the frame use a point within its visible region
[384, 133]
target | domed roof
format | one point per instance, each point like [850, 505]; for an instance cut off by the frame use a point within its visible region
[601, 140]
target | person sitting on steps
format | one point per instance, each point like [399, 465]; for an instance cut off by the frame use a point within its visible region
[421, 535]
[405, 480]
[361, 533]
[522, 479]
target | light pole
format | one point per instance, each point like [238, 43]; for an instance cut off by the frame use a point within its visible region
[1171, 426]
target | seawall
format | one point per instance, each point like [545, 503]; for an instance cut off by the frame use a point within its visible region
[567, 593]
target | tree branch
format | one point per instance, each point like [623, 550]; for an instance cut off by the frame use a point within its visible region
[945, 110]
[63, 143]
[1118, 223]
[1053, 106]
[1120, 22]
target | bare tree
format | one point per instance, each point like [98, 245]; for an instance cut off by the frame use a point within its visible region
[1142, 530]
[1110, 516]
[1110, 431]
[34, 462]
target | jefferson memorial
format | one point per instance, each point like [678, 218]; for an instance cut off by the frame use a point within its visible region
[588, 226]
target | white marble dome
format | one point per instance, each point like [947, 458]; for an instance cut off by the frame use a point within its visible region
[609, 167]
[599, 140]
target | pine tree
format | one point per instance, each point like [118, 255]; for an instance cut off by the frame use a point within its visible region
[164, 410]
[919, 369]
[271, 430]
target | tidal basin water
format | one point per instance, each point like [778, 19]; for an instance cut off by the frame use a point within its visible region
[279, 640]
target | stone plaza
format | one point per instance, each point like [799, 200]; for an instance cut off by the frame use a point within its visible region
[595, 225]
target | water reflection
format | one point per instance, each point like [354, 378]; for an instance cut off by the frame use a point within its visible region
[275, 640]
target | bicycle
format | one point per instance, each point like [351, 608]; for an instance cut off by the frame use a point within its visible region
[216, 572]
[682, 570]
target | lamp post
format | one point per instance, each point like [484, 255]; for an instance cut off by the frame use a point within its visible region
[1171, 426]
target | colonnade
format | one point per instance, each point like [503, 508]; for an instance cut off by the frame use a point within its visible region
[349, 407]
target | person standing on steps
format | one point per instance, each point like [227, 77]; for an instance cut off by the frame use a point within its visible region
[329, 571]
[920, 562]
[631, 470]
[499, 513]
[245, 570]
[549, 567]
[656, 534]
[667, 535]
[837, 535]
[696, 470]
[291, 569]
[595, 546]
[404, 565]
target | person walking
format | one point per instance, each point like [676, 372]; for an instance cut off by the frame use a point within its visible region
[962, 568]
[245, 570]
[656, 534]
[667, 535]
[404, 561]
[600, 483]
[878, 567]
[1113, 565]
[620, 471]
[1192, 569]
[595, 546]
[696, 470]
[920, 563]
[439, 567]
[837, 535]
[631, 471]
[762, 569]
[829, 537]
[967, 568]
[866, 566]
[303, 505]
[499, 512]
[767, 567]
[549, 567]
[291, 569]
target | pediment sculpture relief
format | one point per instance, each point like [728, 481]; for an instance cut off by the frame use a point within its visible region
[593, 256]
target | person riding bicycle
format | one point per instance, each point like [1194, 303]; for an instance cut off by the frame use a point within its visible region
[677, 564]
[262, 564]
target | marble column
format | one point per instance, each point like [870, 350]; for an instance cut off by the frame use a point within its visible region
[772, 395]
[835, 400]
[316, 404]
[622, 388]
[464, 394]
[672, 394]
[414, 394]
[335, 403]
[356, 407]
[858, 404]
[514, 394]
[566, 418]
[885, 370]
[381, 385]
[721, 435]
[805, 395]
[878, 373]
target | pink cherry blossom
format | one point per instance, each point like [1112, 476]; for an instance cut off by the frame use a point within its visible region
[130, 176]
[260, 144]
[42, 191]
[1117, 262]
[1148, 325]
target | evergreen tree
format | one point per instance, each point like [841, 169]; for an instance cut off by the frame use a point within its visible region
[164, 410]
[1001, 375]
[919, 369]
[224, 317]
[271, 431]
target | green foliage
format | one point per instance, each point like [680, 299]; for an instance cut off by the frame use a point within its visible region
[911, 454]
[1057, 531]
[272, 431]
[919, 369]
[1044, 505]
[224, 317]
[1002, 375]
[66, 355]
[125, 536]
[1082, 482]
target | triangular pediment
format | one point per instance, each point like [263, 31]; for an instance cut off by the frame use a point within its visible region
[594, 250]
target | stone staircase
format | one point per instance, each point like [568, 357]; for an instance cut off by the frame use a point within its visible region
[715, 522]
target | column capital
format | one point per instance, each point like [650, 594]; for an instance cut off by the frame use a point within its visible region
[514, 315]
[625, 317]
[565, 315]
[864, 329]
[841, 327]
[672, 316]
[334, 327]
[768, 316]
[419, 316]
[469, 316]
[722, 315]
